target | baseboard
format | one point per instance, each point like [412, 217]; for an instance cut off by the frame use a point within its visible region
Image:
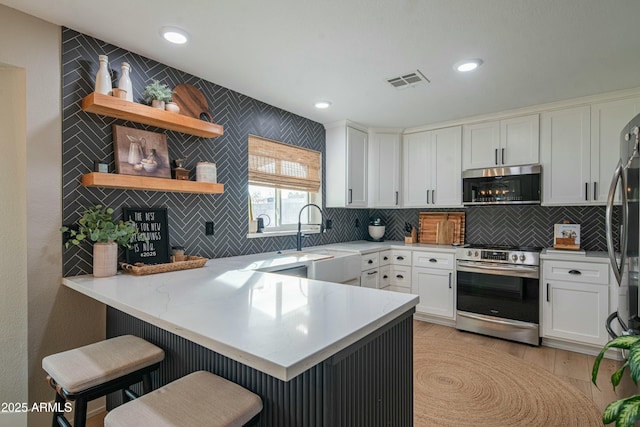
[434, 319]
[591, 350]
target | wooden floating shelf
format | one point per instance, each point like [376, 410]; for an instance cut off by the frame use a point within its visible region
[122, 109]
[132, 182]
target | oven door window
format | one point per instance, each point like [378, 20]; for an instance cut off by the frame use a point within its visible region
[500, 296]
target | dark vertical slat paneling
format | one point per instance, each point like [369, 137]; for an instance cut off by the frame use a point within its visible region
[368, 384]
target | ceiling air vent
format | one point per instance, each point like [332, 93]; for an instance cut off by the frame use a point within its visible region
[408, 80]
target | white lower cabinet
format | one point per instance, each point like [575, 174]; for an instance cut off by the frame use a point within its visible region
[369, 278]
[575, 301]
[433, 280]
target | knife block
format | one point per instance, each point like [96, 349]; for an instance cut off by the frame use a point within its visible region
[413, 238]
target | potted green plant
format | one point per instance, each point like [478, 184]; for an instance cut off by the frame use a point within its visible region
[156, 94]
[625, 412]
[98, 226]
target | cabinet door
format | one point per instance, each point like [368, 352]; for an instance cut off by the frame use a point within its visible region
[447, 166]
[607, 121]
[565, 156]
[519, 141]
[416, 149]
[356, 168]
[436, 290]
[575, 311]
[384, 170]
[480, 144]
[370, 279]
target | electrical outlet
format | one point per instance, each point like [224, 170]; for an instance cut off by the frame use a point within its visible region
[208, 228]
[328, 224]
[357, 223]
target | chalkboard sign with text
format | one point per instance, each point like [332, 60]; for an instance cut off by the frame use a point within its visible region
[151, 223]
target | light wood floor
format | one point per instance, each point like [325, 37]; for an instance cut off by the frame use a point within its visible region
[574, 368]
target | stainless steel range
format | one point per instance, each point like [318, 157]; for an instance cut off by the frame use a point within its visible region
[498, 291]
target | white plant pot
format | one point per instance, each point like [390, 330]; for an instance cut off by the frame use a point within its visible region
[105, 259]
[157, 104]
[172, 107]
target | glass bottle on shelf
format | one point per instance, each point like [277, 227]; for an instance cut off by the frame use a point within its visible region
[125, 81]
[103, 78]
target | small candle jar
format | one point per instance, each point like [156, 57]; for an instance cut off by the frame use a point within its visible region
[177, 253]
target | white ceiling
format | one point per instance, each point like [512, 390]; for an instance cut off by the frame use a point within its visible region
[291, 53]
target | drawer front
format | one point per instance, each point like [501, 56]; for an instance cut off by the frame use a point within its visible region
[580, 272]
[370, 261]
[400, 257]
[385, 276]
[433, 260]
[385, 258]
[369, 279]
[398, 289]
[400, 276]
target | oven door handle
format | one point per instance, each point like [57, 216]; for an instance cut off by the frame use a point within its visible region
[516, 323]
[520, 271]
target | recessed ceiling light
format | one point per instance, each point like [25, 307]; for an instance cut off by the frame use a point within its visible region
[174, 35]
[467, 65]
[322, 104]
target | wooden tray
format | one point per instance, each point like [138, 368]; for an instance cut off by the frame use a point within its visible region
[428, 226]
[143, 270]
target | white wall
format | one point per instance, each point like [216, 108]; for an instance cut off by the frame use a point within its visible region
[57, 318]
[13, 254]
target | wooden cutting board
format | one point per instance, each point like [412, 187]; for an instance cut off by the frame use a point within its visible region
[191, 101]
[445, 231]
[428, 225]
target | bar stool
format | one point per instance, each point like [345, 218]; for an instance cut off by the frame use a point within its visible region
[199, 399]
[95, 370]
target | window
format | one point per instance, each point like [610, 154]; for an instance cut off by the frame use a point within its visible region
[282, 179]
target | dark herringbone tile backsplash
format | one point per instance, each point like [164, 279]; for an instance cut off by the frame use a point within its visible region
[88, 137]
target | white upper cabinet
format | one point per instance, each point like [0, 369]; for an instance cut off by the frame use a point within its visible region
[565, 156]
[607, 121]
[385, 170]
[580, 148]
[507, 142]
[346, 167]
[432, 168]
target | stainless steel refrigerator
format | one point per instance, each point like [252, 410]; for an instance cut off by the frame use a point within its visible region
[625, 263]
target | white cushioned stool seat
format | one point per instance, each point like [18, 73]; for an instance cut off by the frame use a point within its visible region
[196, 400]
[94, 364]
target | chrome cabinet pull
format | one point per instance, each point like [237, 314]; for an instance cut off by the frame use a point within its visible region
[577, 272]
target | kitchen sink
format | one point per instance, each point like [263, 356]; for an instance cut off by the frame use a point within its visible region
[341, 267]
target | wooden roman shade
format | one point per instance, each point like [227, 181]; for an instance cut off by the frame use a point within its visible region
[274, 164]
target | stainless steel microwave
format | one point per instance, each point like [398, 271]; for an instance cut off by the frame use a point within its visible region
[516, 185]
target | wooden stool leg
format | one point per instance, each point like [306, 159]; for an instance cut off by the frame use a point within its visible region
[80, 417]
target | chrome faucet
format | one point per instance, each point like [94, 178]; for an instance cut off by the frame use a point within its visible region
[299, 234]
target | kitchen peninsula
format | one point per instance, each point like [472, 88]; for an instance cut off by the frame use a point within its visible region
[318, 353]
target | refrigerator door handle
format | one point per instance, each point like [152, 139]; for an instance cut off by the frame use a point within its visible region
[618, 176]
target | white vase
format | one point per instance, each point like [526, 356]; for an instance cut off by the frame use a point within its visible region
[105, 259]
[172, 107]
[125, 81]
[103, 78]
[157, 104]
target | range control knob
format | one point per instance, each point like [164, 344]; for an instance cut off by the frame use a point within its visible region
[522, 257]
[469, 253]
[476, 253]
[514, 257]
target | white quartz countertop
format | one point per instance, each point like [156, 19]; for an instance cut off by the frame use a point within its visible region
[588, 256]
[365, 247]
[277, 324]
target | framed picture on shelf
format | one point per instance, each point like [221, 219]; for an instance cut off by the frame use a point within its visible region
[153, 225]
[140, 152]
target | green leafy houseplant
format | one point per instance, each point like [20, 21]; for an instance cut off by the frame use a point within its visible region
[98, 226]
[625, 412]
[157, 91]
